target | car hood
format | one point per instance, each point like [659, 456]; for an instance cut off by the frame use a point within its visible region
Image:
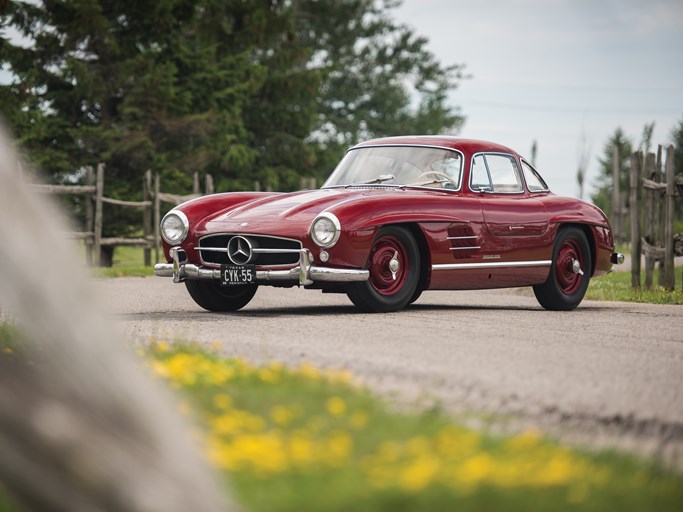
[293, 209]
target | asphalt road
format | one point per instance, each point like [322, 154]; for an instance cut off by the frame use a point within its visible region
[606, 374]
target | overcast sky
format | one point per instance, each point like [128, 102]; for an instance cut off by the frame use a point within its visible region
[552, 69]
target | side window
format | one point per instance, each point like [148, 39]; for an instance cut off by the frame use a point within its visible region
[480, 180]
[504, 173]
[534, 182]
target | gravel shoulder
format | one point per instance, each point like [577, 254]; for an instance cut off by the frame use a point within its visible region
[607, 374]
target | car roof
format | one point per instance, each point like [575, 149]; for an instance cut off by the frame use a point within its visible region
[447, 141]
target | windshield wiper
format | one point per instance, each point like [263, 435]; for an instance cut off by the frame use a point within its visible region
[379, 179]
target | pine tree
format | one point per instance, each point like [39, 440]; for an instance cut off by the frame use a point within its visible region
[604, 184]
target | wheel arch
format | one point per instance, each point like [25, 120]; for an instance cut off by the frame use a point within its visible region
[423, 247]
[590, 237]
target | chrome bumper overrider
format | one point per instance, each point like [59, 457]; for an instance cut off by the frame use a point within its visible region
[304, 274]
[617, 258]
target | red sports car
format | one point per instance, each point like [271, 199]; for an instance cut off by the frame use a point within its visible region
[398, 216]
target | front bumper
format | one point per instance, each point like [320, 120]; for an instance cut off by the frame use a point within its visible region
[304, 274]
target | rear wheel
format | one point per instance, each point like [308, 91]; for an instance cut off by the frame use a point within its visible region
[569, 274]
[214, 297]
[394, 265]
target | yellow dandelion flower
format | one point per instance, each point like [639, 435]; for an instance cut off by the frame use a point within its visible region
[419, 473]
[225, 424]
[309, 371]
[336, 406]
[222, 401]
[476, 469]
[302, 450]
[282, 415]
[339, 446]
[524, 441]
[268, 375]
[160, 369]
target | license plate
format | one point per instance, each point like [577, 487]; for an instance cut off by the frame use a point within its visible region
[237, 275]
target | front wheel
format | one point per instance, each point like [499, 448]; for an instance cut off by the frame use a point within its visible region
[214, 297]
[569, 274]
[394, 265]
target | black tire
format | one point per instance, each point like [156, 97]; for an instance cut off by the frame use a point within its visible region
[415, 296]
[385, 292]
[564, 289]
[214, 297]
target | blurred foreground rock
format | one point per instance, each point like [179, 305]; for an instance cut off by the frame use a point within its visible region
[84, 428]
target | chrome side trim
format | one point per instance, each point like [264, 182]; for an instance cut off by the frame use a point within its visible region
[460, 237]
[497, 264]
[465, 248]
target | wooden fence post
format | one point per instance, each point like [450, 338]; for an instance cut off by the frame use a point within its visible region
[147, 215]
[616, 197]
[89, 215]
[157, 215]
[650, 199]
[659, 233]
[635, 220]
[669, 275]
[99, 193]
[208, 184]
[195, 183]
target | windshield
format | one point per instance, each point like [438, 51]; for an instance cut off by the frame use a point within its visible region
[399, 165]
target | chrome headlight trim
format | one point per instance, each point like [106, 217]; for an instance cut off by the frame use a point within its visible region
[185, 224]
[328, 217]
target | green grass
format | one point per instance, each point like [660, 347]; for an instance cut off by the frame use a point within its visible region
[305, 439]
[128, 262]
[617, 287]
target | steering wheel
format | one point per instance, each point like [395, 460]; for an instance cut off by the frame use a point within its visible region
[439, 173]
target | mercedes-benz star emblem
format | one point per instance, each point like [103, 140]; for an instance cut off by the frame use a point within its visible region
[239, 250]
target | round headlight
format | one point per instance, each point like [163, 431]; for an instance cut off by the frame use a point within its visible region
[174, 227]
[325, 230]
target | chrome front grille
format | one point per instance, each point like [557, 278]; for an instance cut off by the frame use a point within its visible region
[267, 251]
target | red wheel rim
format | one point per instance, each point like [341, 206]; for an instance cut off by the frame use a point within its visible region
[568, 280]
[382, 253]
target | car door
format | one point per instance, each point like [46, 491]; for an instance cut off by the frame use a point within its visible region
[507, 210]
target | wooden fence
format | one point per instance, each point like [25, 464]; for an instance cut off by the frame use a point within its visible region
[652, 196]
[153, 197]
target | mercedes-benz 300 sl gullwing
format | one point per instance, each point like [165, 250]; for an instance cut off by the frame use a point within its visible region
[397, 217]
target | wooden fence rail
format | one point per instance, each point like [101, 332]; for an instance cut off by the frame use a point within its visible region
[93, 190]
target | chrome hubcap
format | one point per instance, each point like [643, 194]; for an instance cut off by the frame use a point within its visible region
[394, 265]
[576, 267]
